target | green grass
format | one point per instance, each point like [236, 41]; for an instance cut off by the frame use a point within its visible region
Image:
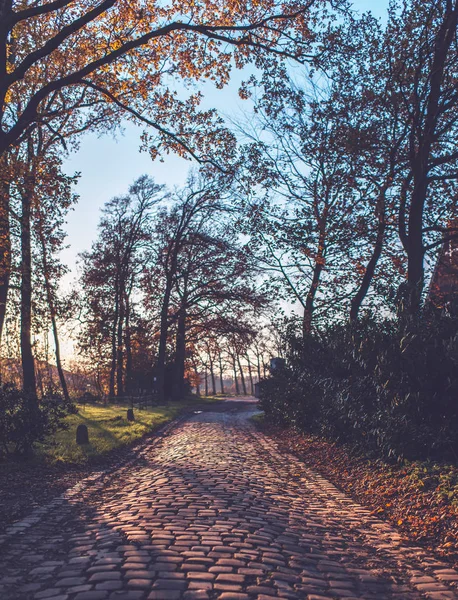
[258, 418]
[108, 429]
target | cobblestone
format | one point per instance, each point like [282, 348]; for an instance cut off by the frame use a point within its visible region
[212, 510]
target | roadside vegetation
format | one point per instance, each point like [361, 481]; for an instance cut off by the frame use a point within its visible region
[388, 387]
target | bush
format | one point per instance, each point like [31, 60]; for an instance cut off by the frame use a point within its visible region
[25, 421]
[390, 387]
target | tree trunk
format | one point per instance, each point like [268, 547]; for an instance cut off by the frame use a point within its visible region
[444, 38]
[39, 380]
[48, 363]
[234, 368]
[196, 370]
[212, 369]
[128, 342]
[52, 311]
[120, 345]
[250, 375]
[206, 381]
[242, 377]
[28, 367]
[212, 375]
[221, 381]
[317, 269]
[63, 382]
[310, 300]
[415, 248]
[180, 355]
[358, 298]
[111, 391]
[164, 325]
[5, 250]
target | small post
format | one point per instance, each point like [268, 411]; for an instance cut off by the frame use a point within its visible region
[82, 435]
[130, 414]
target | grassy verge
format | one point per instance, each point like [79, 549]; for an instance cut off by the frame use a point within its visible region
[108, 429]
[419, 498]
[258, 419]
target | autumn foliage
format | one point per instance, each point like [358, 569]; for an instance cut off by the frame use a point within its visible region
[419, 498]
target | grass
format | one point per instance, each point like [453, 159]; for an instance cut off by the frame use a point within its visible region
[258, 419]
[108, 429]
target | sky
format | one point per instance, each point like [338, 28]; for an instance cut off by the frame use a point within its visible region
[109, 165]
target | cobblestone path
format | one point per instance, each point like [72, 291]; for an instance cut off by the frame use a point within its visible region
[213, 510]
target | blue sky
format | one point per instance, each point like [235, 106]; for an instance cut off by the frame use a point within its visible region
[108, 166]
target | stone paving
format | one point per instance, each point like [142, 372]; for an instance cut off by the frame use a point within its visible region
[213, 510]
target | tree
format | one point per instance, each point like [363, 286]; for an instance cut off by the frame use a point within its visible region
[216, 286]
[198, 202]
[297, 175]
[406, 78]
[373, 135]
[37, 183]
[5, 240]
[63, 44]
[111, 274]
[69, 115]
[407, 81]
[49, 218]
[423, 63]
[197, 276]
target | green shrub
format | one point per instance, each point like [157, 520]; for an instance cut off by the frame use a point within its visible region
[390, 386]
[25, 421]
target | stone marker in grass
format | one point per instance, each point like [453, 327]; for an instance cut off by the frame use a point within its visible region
[130, 414]
[82, 435]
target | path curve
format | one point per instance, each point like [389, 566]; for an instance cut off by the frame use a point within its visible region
[213, 510]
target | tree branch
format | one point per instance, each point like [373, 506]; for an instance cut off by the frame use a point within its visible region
[153, 124]
[212, 32]
[36, 11]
